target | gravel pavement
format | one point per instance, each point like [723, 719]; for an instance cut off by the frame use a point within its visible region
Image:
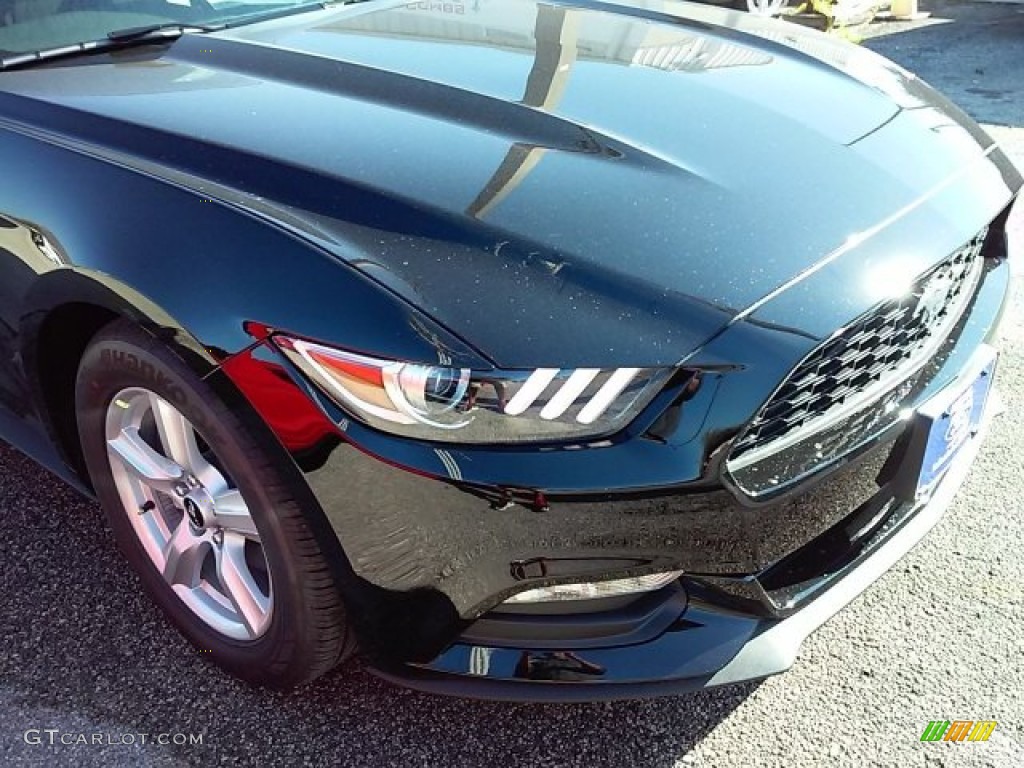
[939, 637]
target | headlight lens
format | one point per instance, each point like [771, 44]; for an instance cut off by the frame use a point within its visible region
[459, 405]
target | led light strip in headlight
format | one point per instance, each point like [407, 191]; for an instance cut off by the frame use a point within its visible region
[569, 392]
[459, 405]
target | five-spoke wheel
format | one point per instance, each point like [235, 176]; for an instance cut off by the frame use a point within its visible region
[192, 522]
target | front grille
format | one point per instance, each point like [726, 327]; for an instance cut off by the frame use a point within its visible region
[864, 360]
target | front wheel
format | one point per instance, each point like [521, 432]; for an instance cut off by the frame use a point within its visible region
[204, 516]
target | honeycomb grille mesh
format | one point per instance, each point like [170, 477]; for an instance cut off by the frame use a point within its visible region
[872, 354]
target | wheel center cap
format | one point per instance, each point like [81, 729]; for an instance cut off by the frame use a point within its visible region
[199, 508]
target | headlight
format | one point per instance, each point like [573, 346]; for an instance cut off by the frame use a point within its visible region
[459, 405]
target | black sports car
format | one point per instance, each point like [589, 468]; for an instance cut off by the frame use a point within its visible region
[545, 350]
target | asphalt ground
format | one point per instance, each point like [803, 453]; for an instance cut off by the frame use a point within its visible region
[939, 637]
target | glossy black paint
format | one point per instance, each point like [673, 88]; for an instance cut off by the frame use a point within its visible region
[484, 190]
[681, 656]
[528, 517]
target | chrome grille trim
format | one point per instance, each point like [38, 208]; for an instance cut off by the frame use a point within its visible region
[904, 331]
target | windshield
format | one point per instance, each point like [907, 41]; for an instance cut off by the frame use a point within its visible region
[27, 26]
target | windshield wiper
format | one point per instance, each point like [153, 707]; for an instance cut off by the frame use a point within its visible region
[154, 33]
[169, 31]
[114, 41]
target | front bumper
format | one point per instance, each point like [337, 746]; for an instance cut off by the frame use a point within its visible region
[702, 645]
[428, 540]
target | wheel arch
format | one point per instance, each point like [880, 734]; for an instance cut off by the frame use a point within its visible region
[66, 310]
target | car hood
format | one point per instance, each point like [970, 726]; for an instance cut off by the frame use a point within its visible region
[558, 184]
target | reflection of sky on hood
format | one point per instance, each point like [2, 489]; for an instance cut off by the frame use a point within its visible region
[657, 161]
[448, 48]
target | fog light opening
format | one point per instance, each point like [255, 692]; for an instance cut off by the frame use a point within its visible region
[594, 590]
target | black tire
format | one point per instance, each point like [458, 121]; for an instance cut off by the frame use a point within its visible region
[308, 633]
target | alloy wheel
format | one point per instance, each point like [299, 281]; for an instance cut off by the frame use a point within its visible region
[191, 520]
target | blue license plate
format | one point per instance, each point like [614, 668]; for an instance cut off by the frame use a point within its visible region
[956, 416]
